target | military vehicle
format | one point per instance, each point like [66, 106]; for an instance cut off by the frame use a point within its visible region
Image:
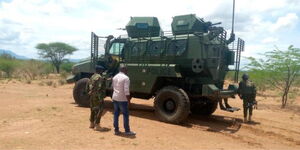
[183, 70]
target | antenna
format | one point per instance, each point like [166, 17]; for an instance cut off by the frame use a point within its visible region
[240, 46]
[232, 25]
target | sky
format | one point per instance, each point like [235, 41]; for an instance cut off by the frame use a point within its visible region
[262, 24]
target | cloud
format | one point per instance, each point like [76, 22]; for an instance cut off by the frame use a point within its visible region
[25, 23]
[287, 21]
[8, 36]
[269, 40]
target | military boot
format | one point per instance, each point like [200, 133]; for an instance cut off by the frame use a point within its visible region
[92, 125]
[97, 127]
[222, 106]
[227, 105]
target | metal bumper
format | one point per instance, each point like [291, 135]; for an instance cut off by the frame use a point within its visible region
[212, 90]
[71, 79]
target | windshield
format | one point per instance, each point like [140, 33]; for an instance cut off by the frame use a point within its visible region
[116, 48]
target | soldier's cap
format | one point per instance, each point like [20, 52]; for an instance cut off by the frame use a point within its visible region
[245, 76]
[99, 67]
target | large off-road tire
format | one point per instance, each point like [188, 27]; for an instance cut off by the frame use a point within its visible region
[79, 92]
[172, 105]
[204, 106]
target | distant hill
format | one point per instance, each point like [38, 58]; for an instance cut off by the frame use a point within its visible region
[2, 51]
[75, 60]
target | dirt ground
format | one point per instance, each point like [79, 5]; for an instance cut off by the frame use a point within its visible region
[33, 116]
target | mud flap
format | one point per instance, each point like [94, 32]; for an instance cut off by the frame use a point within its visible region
[71, 79]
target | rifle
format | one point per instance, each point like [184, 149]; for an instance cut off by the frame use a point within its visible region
[255, 104]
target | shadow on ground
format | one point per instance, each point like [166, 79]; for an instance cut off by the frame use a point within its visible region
[213, 123]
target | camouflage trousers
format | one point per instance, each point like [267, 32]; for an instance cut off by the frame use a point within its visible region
[248, 106]
[97, 108]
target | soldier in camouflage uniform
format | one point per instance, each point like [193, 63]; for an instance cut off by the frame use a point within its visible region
[96, 90]
[247, 92]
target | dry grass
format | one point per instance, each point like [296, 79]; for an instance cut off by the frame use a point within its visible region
[28, 81]
[62, 81]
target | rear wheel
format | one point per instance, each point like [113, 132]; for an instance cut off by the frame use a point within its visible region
[79, 92]
[204, 106]
[172, 104]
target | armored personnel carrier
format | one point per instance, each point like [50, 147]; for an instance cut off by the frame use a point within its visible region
[183, 70]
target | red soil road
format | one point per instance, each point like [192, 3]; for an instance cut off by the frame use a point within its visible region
[43, 117]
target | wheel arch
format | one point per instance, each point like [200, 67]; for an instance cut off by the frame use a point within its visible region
[82, 75]
[162, 82]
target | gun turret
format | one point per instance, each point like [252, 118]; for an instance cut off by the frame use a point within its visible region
[189, 24]
[139, 27]
[218, 23]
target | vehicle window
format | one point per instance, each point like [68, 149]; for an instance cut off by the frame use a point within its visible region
[176, 48]
[116, 48]
[138, 49]
[155, 48]
[135, 50]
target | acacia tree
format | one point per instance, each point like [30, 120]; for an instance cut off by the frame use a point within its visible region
[56, 52]
[279, 69]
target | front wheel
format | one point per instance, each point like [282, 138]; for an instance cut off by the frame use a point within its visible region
[79, 92]
[172, 105]
[204, 106]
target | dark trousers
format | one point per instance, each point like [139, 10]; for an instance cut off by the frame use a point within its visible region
[121, 107]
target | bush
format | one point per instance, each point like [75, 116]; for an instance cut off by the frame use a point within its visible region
[67, 66]
[260, 83]
[62, 81]
[28, 81]
[8, 65]
[32, 69]
[49, 83]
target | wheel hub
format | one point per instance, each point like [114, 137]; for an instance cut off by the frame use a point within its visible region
[170, 105]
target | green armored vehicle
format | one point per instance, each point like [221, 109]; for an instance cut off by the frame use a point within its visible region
[184, 70]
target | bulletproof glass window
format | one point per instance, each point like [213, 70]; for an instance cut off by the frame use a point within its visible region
[176, 48]
[154, 48]
[138, 49]
[142, 25]
[182, 23]
[116, 48]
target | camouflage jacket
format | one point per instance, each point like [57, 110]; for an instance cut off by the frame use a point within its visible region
[96, 85]
[247, 89]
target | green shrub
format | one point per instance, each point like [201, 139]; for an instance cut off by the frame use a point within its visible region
[32, 69]
[67, 66]
[8, 65]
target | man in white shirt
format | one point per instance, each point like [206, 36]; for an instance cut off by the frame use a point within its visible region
[121, 99]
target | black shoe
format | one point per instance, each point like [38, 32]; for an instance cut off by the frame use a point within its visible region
[117, 132]
[130, 133]
[222, 107]
[227, 106]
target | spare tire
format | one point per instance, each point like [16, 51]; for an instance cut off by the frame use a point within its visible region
[79, 92]
[172, 105]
